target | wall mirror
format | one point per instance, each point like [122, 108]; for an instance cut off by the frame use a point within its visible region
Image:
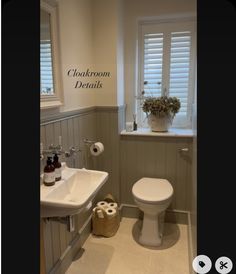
[50, 67]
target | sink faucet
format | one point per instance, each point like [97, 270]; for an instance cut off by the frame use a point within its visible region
[72, 151]
[57, 149]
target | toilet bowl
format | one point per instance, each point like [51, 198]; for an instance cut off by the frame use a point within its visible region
[152, 196]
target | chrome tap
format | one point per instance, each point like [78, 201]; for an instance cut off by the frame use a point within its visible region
[72, 151]
[57, 149]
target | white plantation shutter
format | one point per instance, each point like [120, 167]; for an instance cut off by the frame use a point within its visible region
[153, 59]
[46, 76]
[166, 65]
[180, 67]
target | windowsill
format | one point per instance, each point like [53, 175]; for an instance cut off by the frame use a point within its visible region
[173, 132]
[50, 104]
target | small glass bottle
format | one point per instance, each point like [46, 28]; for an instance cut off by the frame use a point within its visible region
[135, 124]
[57, 166]
[49, 173]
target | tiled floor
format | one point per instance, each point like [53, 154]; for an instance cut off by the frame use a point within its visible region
[121, 254]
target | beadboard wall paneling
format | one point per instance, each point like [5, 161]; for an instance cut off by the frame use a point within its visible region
[99, 124]
[107, 126]
[73, 129]
[57, 238]
[157, 157]
[125, 158]
[42, 250]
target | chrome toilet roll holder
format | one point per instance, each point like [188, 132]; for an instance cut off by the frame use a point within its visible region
[89, 142]
[94, 147]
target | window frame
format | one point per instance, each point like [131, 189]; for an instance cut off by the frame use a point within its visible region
[55, 100]
[180, 19]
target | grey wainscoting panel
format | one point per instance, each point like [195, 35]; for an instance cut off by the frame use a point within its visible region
[48, 246]
[55, 234]
[63, 240]
[157, 157]
[87, 130]
[43, 135]
[125, 158]
[78, 158]
[49, 130]
[108, 133]
[73, 130]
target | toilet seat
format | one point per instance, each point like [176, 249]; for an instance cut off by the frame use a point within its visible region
[152, 190]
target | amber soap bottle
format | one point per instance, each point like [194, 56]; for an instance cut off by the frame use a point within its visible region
[49, 173]
[57, 166]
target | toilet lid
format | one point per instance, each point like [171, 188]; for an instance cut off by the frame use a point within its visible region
[152, 190]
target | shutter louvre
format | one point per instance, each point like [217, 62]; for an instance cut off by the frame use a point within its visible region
[46, 76]
[167, 65]
[153, 62]
[180, 68]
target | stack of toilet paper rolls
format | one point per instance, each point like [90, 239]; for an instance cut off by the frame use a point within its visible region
[104, 208]
[105, 217]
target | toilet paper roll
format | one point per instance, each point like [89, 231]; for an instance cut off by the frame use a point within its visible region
[103, 205]
[110, 212]
[100, 213]
[113, 205]
[94, 209]
[96, 149]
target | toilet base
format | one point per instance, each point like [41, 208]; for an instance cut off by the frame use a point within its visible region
[152, 229]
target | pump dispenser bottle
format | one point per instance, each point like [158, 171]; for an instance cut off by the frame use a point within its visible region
[49, 173]
[57, 166]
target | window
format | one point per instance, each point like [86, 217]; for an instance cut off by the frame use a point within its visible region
[166, 62]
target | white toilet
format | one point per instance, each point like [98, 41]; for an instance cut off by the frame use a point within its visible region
[153, 196]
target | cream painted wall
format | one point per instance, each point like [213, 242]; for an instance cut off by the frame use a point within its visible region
[108, 50]
[140, 9]
[91, 37]
[76, 42]
[102, 35]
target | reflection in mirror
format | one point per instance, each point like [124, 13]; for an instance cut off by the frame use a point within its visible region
[46, 75]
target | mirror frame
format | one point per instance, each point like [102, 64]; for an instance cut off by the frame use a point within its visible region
[55, 100]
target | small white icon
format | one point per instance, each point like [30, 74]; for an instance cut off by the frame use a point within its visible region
[202, 264]
[223, 265]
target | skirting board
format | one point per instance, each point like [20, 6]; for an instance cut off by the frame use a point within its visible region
[67, 257]
[172, 216]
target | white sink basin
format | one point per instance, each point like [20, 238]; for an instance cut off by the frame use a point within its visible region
[72, 194]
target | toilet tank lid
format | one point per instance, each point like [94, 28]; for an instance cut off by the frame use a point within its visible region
[152, 189]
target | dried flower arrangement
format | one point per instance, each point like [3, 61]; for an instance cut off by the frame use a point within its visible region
[161, 106]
